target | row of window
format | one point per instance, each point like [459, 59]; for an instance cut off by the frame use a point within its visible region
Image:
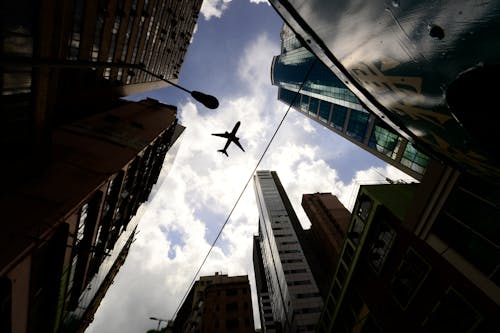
[149, 28]
[355, 123]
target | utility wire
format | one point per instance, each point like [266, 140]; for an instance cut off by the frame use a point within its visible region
[244, 189]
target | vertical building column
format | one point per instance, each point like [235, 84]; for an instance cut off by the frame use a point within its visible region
[369, 130]
[346, 122]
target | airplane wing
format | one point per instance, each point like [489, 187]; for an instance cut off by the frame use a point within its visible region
[237, 142]
[223, 135]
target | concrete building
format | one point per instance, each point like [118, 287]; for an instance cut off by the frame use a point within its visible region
[74, 223]
[217, 303]
[267, 322]
[396, 275]
[325, 99]
[292, 292]
[62, 61]
[329, 223]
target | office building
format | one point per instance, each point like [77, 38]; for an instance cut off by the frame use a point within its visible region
[52, 62]
[267, 322]
[292, 292]
[324, 98]
[217, 303]
[390, 59]
[329, 223]
[75, 222]
[391, 279]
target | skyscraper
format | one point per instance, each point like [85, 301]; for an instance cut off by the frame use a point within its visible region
[217, 303]
[294, 298]
[53, 56]
[388, 56]
[325, 99]
[329, 223]
[75, 223]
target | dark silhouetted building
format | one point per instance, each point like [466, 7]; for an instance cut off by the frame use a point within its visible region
[329, 223]
[49, 51]
[326, 99]
[68, 230]
[217, 303]
[392, 278]
[290, 295]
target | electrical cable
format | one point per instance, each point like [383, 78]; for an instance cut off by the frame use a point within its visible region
[244, 189]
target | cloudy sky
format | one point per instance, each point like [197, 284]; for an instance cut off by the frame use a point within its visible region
[230, 57]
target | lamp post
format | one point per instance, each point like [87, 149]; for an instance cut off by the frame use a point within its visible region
[208, 101]
[159, 321]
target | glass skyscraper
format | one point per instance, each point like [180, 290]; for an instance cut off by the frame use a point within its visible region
[291, 302]
[325, 99]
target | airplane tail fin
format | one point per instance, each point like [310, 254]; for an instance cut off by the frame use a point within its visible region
[223, 151]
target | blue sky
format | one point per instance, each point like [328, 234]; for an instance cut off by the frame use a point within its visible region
[230, 57]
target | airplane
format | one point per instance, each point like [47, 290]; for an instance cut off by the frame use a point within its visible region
[231, 137]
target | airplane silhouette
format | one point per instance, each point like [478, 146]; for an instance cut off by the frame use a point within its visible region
[231, 137]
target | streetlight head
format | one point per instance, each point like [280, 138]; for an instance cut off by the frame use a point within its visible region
[208, 100]
[153, 318]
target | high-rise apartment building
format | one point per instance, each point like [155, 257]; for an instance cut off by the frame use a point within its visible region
[324, 98]
[217, 303]
[329, 223]
[75, 222]
[398, 276]
[292, 294]
[65, 60]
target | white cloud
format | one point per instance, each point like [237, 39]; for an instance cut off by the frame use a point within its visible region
[214, 8]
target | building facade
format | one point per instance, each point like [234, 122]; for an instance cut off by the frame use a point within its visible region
[75, 223]
[62, 61]
[217, 303]
[292, 292]
[329, 223]
[324, 98]
[389, 279]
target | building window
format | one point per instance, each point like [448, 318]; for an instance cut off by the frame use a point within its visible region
[357, 227]
[414, 159]
[384, 140]
[341, 273]
[324, 111]
[380, 246]
[232, 324]
[408, 278]
[452, 314]
[313, 107]
[304, 103]
[232, 307]
[364, 207]
[231, 292]
[299, 283]
[348, 254]
[358, 124]
[338, 117]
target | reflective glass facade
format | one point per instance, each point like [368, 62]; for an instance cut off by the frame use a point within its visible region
[293, 294]
[325, 99]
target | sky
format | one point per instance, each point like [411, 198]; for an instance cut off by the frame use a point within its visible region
[229, 57]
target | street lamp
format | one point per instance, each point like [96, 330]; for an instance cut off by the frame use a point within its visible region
[159, 321]
[209, 101]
